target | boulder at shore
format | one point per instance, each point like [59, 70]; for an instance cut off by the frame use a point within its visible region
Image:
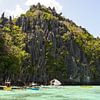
[55, 82]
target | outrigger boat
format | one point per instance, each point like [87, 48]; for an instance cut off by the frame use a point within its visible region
[8, 87]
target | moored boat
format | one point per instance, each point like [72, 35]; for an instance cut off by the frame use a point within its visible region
[7, 88]
[34, 86]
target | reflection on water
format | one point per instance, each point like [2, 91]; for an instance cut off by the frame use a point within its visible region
[54, 93]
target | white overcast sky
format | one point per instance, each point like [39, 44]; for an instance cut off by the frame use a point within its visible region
[85, 13]
[16, 8]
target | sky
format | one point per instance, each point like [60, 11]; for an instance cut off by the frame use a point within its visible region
[85, 13]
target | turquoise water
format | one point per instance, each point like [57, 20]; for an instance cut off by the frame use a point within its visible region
[53, 93]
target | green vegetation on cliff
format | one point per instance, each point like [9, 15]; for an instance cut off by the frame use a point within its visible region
[12, 54]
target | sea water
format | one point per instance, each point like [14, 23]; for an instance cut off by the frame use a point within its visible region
[54, 93]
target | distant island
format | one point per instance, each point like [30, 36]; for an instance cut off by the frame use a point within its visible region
[42, 45]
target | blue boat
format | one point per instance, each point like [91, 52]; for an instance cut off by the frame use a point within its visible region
[35, 88]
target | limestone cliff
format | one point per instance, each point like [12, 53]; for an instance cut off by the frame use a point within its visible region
[58, 47]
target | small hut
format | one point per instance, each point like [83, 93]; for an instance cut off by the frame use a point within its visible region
[8, 84]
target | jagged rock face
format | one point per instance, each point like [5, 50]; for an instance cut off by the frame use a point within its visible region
[54, 51]
[58, 48]
[45, 43]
